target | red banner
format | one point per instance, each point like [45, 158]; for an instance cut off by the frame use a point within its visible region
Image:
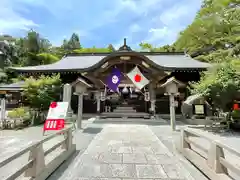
[53, 124]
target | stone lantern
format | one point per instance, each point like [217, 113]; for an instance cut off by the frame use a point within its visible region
[81, 87]
[171, 88]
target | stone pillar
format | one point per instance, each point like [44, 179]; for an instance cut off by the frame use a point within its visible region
[67, 95]
[152, 98]
[80, 111]
[98, 98]
[172, 111]
[3, 109]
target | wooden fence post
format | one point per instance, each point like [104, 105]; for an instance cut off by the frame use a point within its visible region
[37, 155]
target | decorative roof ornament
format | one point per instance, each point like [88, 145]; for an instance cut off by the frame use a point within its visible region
[125, 47]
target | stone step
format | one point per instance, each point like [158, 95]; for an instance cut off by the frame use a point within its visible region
[124, 107]
[128, 115]
[124, 111]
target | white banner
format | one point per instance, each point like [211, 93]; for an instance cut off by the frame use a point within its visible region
[58, 110]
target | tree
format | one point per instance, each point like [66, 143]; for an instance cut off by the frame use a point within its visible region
[47, 58]
[111, 48]
[92, 50]
[45, 45]
[65, 45]
[39, 93]
[32, 42]
[214, 33]
[221, 84]
[74, 42]
[146, 46]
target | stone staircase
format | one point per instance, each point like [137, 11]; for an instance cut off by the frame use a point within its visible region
[125, 111]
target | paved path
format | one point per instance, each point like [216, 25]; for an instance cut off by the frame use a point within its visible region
[126, 152]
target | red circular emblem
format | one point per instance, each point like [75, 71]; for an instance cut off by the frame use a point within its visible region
[53, 104]
[137, 78]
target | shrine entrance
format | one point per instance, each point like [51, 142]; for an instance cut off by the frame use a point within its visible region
[128, 98]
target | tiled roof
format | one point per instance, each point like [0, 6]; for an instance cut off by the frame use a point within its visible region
[85, 62]
[14, 86]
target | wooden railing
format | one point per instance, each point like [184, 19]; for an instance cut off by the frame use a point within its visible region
[36, 166]
[213, 164]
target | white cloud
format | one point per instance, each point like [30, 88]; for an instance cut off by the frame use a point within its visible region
[157, 34]
[139, 7]
[11, 20]
[170, 22]
[136, 6]
[174, 14]
[134, 28]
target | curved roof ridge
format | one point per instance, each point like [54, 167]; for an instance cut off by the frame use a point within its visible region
[165, 61]
[119, 52]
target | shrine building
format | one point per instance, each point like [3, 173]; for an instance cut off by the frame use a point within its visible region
[94, 68]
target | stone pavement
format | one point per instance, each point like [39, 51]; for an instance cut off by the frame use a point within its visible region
[126, 152]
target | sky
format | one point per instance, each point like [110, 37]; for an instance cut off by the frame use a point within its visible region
[99, 22]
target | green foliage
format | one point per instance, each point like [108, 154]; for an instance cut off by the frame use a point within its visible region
[235, 114]
[146, 46]
[111, 48]
[92, 50]
[21, 112]
[3, 77]
[39, 93]
[47, 58]
[71, 44]
[214, 34]
[220, 83]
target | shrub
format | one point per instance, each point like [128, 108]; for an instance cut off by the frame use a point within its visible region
[19, 113]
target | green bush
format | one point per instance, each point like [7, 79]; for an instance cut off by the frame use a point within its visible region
[19, 113]
[46, 58]
[39, 93]
[235, 114]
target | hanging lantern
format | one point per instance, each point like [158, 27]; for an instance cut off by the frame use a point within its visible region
[125, 90]
[146, 96]
[102, 97]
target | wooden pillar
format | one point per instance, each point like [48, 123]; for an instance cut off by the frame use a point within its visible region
[80, 111]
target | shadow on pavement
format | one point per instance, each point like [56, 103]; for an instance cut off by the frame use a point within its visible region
[92, 130]
[61, 169]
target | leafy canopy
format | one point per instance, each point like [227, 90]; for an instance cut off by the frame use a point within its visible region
[39, 93]
[221, 83]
